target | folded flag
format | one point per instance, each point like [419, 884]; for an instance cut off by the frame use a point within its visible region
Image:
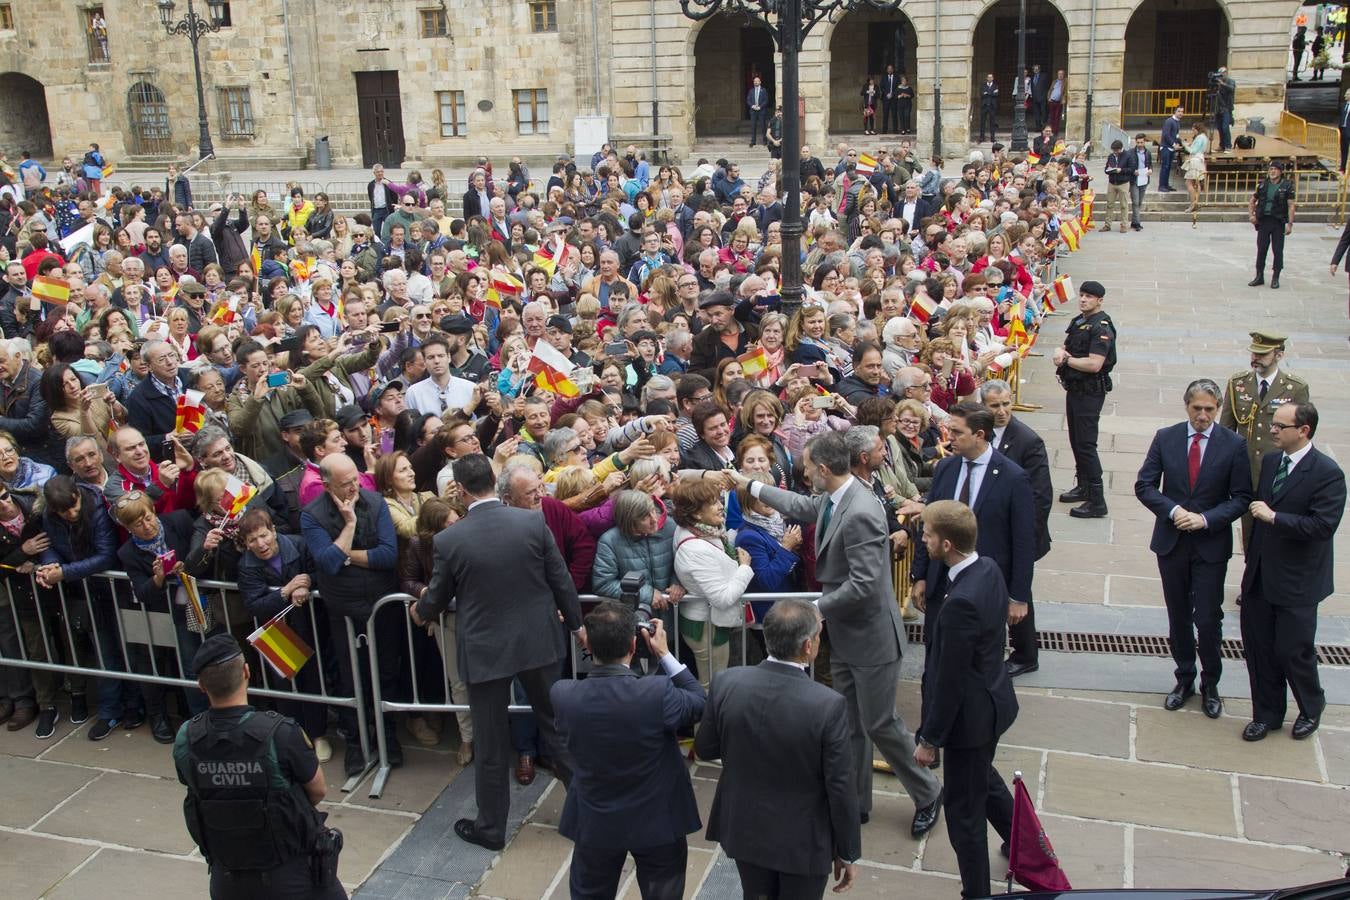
[753, 362]
[284, 650]
[198, 615]
[236, 496]
[51, 290]
[552, 370]
[1031, 859]
[190, 413]
[921, 309]
[867, 165]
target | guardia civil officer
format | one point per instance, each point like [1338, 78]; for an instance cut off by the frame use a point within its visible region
[1084, 367]
[253, 787]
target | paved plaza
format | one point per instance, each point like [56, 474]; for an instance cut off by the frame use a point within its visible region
[1130, 795]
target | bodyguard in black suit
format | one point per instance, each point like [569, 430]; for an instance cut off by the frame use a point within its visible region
[1017, 440]
[507, 628]
[890, 102]
[1299, 503]
[630, 790]
[999, 492]
[1197, 482]
[968, 699]
[786, 807]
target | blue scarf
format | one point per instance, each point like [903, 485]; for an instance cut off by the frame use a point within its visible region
[156, 546]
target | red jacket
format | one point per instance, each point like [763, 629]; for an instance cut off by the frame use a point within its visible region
[573, 538]
[182, 495]
[34, 259]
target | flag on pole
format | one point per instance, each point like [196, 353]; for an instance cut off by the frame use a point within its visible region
[502, 284]
[1017, 328]
[999, 364]
[284, 650]
[1025, 347]
[867, 165]
[1031, 860]
[168, 295]
[190, 412]
[1085, 212]
[225, 311]
[922, 308]
[83, 235]
[236, 496]
[1061, 292]
[302, 269]
[1033, 158]
[551, 254]
[109, 169]
[51, 290]
[198, 616]
[551, 370]
[1070, 232]
[753, 362]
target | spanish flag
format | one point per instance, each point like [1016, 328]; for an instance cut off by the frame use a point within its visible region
[1033, 158]
[502, 284]
[198, 616]
[109, 169]
[1017, 329]
[999, 364]
[866, 165]
[1070, 232]
[1061, 292]
[225, 311]
[284, 650]
[551, 370]
[922, 308]
[753, 362]
[236, 496]
[51, 290]
[551, 255]
[1085, 213]
[190, 413]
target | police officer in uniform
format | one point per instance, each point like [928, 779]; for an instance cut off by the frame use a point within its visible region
[1084, 366]
[1271, 212]
[254, 785]
[1251, 398]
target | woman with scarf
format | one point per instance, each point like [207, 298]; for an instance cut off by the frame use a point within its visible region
[215, 547]
[642, 540]
[153, 557]
[714, 573]
[338, 375]
[19, 473]
[773, 545]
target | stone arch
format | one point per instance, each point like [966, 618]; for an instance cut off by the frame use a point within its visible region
[1171, 46]
[24, 124]
[862, 43]
[994, 49]
[148, 116]
[727, 50]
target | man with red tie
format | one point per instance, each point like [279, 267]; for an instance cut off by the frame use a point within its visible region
[1196, 480]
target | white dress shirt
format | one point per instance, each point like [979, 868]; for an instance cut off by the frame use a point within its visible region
[976, 474]
[961, 566]
[1204, 445]
[427, 397]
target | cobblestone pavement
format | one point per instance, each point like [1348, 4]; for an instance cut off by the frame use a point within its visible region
[1129, 794]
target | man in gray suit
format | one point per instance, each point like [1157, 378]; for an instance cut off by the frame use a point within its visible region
[507, 617]
[784, 744]
[853, 566]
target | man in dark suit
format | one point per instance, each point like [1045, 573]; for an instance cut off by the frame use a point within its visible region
[989, 107]
[890, 103]
[631, 791]
[784, 744]
[968, 699]
[153, 405]
[1196, 481]
[1040, 90]
[1168, 145]
[1016, 440]
[999, 492]
[1298, 507]
[477, 198]
[757, 105]
[507, 628]
[853, 566]
[1343, 126]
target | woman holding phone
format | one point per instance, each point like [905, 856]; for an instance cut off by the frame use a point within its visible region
[77, 409]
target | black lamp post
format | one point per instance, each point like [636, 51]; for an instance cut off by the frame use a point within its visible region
[194, 26]
[1019, 126]
[789, 21]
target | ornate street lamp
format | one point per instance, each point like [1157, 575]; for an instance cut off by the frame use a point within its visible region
[1019, 126]
[194, 26]
[789, 21]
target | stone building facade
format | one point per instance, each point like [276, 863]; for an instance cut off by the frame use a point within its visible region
[436, 82]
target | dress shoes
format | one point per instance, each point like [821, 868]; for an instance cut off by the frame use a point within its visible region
[161, 730]
[926, 817]
[1075, 495]
[1257, 731]
[864, 818]
[1210, 702]
[1274, 282]
[1304, 726]
[1257, 281]
[525, 770]
[23, 717]
[1178, 696]
[467, 832]
[1021, 668]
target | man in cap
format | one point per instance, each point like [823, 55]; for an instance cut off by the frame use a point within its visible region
[385, 402]
[289, 457]
[559, 334]
[714, 342]
[355, 427]
[1084, 366]
[1251, 398]
[465, 360]
[1271, 212]
[254, 785]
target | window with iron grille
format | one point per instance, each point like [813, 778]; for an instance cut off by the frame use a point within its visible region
[434, 22]
[236, 112]
[543, 15]
[454, 121]
[96, 29]
[6, 17]
[531, 111]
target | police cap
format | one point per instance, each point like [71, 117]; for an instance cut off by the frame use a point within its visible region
[216, 649]
[1093, 288]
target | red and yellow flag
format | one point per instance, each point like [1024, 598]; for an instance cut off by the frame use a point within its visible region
[1071, 232]
[226, 311]
[502, 284]
[552, 370]
[922, 308]
[1085, 213]
[190, 412]
[285, 651]
[236, 496]
[866, 165]
[51, 290]
[753, 362]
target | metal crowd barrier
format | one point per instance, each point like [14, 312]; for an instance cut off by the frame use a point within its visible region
[156, 634]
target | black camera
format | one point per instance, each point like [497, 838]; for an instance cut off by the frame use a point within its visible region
[630, 589]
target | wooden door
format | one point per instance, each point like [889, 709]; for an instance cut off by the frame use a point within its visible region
[381, 115]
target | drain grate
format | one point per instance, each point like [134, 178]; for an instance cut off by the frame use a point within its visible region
[1140, 645]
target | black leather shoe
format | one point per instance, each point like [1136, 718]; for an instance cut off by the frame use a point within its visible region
[1003, 851]
[1210, 702]
[467, 832]
[1256, 731]
[394, 753]
[161, 730]
[926, 817]
[354, 763]
[1257, 281]
[1274, 282]
[1178, 696]
[1021, 668]
[1076, 495]
[1304, 726]
[864, 818]
[134, 720]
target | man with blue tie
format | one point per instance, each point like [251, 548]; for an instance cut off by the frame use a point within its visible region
[1298, 507]
[1343, 126]
[1196, 481]
[1168, 146]
[757, 99]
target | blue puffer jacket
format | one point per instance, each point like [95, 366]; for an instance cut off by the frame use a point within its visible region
[617, 555]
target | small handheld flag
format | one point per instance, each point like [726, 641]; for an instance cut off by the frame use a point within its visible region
[198, 616]
[552, 370]
[753, 362]
[236, 496]
[225, 311]
[922, 308]
[284, 650]
[190, 412]
[502, 284]
[867, 165]
[51, 290]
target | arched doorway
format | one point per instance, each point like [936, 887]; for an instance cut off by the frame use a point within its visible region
[23, 115]
[995, 50]
[1171, 46]
[863, 44]
[728, 52]
[149, 116]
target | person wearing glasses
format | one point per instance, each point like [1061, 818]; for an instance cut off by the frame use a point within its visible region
[406, 214]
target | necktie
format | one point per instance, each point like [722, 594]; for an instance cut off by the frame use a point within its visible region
[1193, 458]
[1265, 386]
[824, 522]
[964, 496]
[1280, 475]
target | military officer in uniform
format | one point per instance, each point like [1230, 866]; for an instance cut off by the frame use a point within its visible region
[1251, 398]
[254, 785]
[1084, 367]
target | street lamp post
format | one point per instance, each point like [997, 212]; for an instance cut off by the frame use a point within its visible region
[789, 22]
[194, 27]
[1019, 126]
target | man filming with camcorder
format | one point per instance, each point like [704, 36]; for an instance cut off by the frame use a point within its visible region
[1221, 91]
[630, 790]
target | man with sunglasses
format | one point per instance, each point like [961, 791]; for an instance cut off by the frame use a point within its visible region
[406, 214]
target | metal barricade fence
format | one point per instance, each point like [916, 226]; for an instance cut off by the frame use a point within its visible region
[88, 627]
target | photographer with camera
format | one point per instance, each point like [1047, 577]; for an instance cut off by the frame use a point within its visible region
[630, 790]
[1221, 89]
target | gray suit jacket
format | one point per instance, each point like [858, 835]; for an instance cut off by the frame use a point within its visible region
[853, 566]
[503, 571]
